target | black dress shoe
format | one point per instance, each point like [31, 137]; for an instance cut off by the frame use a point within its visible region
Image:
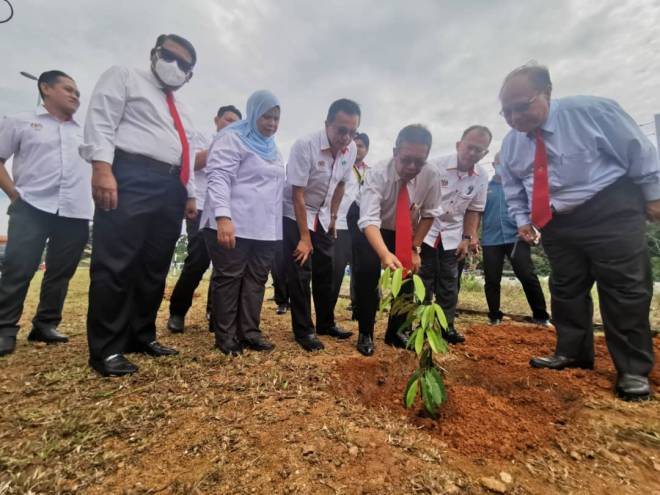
[231, 349]
[281, 309]
[633, 387]
[336, 332]
[176, 324]
[365, 344]
[310, 343]
[259, 343]
[452, 336]
[155, 349]
[7, 345]
[115, 365]
[397, 339]
[48, 335]
[559, 363]
[208, 315]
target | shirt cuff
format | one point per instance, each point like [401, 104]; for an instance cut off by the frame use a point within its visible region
[222, 211]
[522, 219]
[89, 153]
[651, 191]
[363, 224]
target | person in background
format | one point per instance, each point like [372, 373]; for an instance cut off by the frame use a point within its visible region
[51, 205]
[242, 222]
[198, 260]
[579, 174]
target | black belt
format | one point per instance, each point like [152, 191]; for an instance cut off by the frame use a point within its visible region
[149, 163]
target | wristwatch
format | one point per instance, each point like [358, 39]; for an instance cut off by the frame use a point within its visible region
[417, 249]
[467, 237]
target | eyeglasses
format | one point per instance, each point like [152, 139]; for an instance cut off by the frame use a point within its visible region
[520, 107]
[407, 160]
[170, 56]
[343, 131]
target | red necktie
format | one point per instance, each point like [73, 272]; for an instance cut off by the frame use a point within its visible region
[541, 212]
[403, 236]
[185, 154]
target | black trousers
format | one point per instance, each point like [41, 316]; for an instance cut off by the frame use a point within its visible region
[239, 283]
[132, 249]
[278, 272]
[439, 272]
[341, 258]
[196, 263]
[30, 231]
[603, 240]
[521, 261]
[318, 270]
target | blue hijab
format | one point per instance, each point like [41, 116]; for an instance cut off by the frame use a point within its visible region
[257, 105]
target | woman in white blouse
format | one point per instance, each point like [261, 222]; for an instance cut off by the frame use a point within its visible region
[243, 220]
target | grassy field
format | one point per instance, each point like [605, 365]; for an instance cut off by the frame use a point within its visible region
[332, 422]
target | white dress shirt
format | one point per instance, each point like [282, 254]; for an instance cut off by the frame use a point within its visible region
[244, 187]
[312, 166]
[128, 110]
[351, 192]
[380, 192]
[461, 191]
[47, 169]
[200, 143]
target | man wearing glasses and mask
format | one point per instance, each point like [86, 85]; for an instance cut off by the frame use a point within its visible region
[319, 166]
[579, 173]
[454, 233]
[138, 140]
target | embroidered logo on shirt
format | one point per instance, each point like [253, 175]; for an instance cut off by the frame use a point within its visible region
[444, 182]
[469, 190]
[321, 163]
[36, 126]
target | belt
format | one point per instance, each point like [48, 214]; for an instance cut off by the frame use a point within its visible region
[157, 166]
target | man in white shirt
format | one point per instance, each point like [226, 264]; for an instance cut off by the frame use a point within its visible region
[197, 261]
[319, 166]
[51, 202]
[398, 202]
[454, 233]
[138, 141]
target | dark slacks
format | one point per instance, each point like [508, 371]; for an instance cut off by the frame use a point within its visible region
[521, 261]
[439, 272]
[318, 270]
[131, 255]
[30, 231]
[196, 263]
[603, 240]
[278, 272]
[239, 283]
[341, 258]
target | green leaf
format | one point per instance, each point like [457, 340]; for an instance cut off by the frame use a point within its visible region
[427, 317]
[410, 392]
[397, 281]
[427, 397]
[406, 324]
[386, 279]
[441, 315]
[419, 340]
[420, 290]
[436, 342]
[440, 381]
[425, 360]
[412, 339]
[434, 388]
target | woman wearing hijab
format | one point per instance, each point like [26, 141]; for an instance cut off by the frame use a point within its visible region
[243, 220]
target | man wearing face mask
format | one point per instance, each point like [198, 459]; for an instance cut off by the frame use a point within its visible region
[138, 140]
[319, 166]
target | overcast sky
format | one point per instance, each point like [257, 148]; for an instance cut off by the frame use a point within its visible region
[430, 61]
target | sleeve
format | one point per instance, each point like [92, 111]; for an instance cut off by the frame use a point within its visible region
[478, 203]
[514, 189]
[222, 166]
[432, 206]
[625, 141]
[370, 201]
[106, 108]
[299, 166]
[195, 140]
[9, 137]
[351, 155]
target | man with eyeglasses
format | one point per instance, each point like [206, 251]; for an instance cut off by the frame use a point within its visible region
[138, 139]
[319, 166]
[580, 174]
[454, 234]
[398, 202]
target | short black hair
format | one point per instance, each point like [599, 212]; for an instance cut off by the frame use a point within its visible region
[343, 105]
[50, 77]
[160, 41]
[414, 134]
[362, 136]
[478, 127]
[229, 108]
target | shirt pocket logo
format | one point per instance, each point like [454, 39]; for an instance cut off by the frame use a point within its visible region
[36, 126]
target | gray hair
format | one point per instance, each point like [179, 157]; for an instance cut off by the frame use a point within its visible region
[414, 134]
[538, 75]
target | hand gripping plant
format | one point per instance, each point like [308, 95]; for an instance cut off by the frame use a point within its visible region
[427, 320]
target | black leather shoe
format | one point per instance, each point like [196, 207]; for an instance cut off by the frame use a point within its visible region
[453, 337]
[365, 344]
[559, 363]
[396, 340]
[336, 332]
[310, 343]
[259, 343]
[633, 387]
[115, 365]
[281, 309]
[7, 345]
[48, 335]
[157, 350]
[232, 349]
[176, 324]
[208, 315]
[541, 322]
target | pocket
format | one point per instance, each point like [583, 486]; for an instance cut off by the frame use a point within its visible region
[575, 168]
[12, 206]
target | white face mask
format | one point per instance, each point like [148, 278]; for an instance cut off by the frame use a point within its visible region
[169, 73]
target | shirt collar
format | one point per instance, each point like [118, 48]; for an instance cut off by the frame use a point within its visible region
[471, 173]
[323, 141]
[550, 123]
[42, 111]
